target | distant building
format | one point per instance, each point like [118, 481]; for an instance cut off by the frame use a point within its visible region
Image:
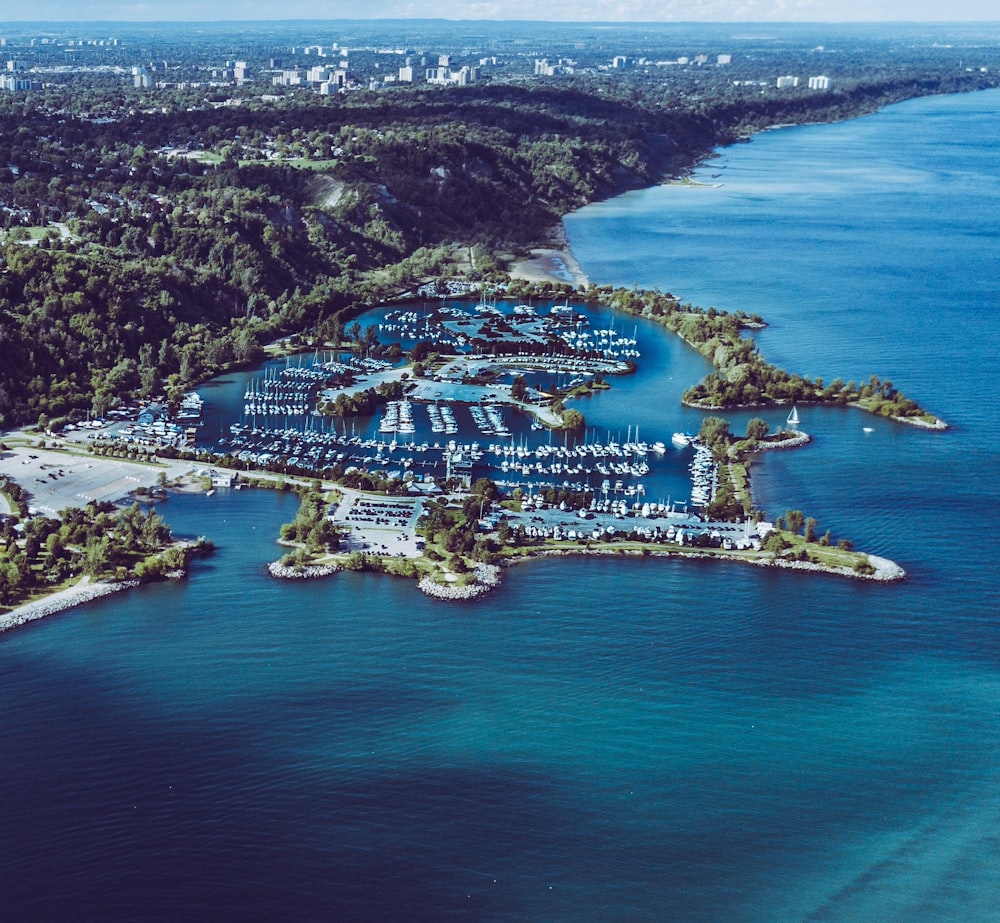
[336, 83]
[724, 59]
[443, 75]
[19, 84]
[819, 83]
[406, 74]
[152, 413]
[784, 83]
[544, 69]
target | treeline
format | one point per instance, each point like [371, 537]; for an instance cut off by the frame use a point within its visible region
[312, 530]
[742, 377]
[97, 541]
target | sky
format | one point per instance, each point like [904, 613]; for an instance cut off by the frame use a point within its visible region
[551, 10]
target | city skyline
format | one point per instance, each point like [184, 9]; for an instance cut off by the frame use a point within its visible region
[625, 11]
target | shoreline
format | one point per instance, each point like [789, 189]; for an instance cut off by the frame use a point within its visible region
[489, 576]
[83, 591]
[69, 598]
[937, 425]
[554, 264]
[885, 570]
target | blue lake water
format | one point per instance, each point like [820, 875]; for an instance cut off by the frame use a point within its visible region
[600, 739]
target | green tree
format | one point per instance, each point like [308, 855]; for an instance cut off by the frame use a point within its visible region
[714, 433]
[794, 520]
[775, 542]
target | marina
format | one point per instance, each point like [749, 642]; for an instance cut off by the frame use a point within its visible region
[591, 466]
[460, 417]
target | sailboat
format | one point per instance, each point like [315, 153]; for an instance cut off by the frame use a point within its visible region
[793, 418]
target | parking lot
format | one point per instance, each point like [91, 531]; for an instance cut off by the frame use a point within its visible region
[57, 479]
[378, 525]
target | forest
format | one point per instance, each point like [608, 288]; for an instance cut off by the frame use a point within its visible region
[149, 248]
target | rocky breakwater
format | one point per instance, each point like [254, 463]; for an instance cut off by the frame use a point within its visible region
[794, 437]
[485, 577]
[883, 570]
[82, 592]
[279, 570]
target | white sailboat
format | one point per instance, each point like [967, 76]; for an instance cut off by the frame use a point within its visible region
[793, 418]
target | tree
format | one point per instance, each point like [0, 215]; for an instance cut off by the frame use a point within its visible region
[775, 542]
[810, 529]
[714, 433]
[369, 340]
[484, 487]
[794, 519]
[757, 429]
[519, 388]
[421, 350]
[10, 582]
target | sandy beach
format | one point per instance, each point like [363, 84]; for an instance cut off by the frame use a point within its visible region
[555, 263]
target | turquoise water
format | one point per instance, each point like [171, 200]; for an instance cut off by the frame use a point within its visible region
[601, 739]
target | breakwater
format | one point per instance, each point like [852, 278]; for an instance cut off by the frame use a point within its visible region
[282, 572]
[59, 602]
[487, 578]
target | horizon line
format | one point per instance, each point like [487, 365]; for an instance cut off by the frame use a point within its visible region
[554, 22]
